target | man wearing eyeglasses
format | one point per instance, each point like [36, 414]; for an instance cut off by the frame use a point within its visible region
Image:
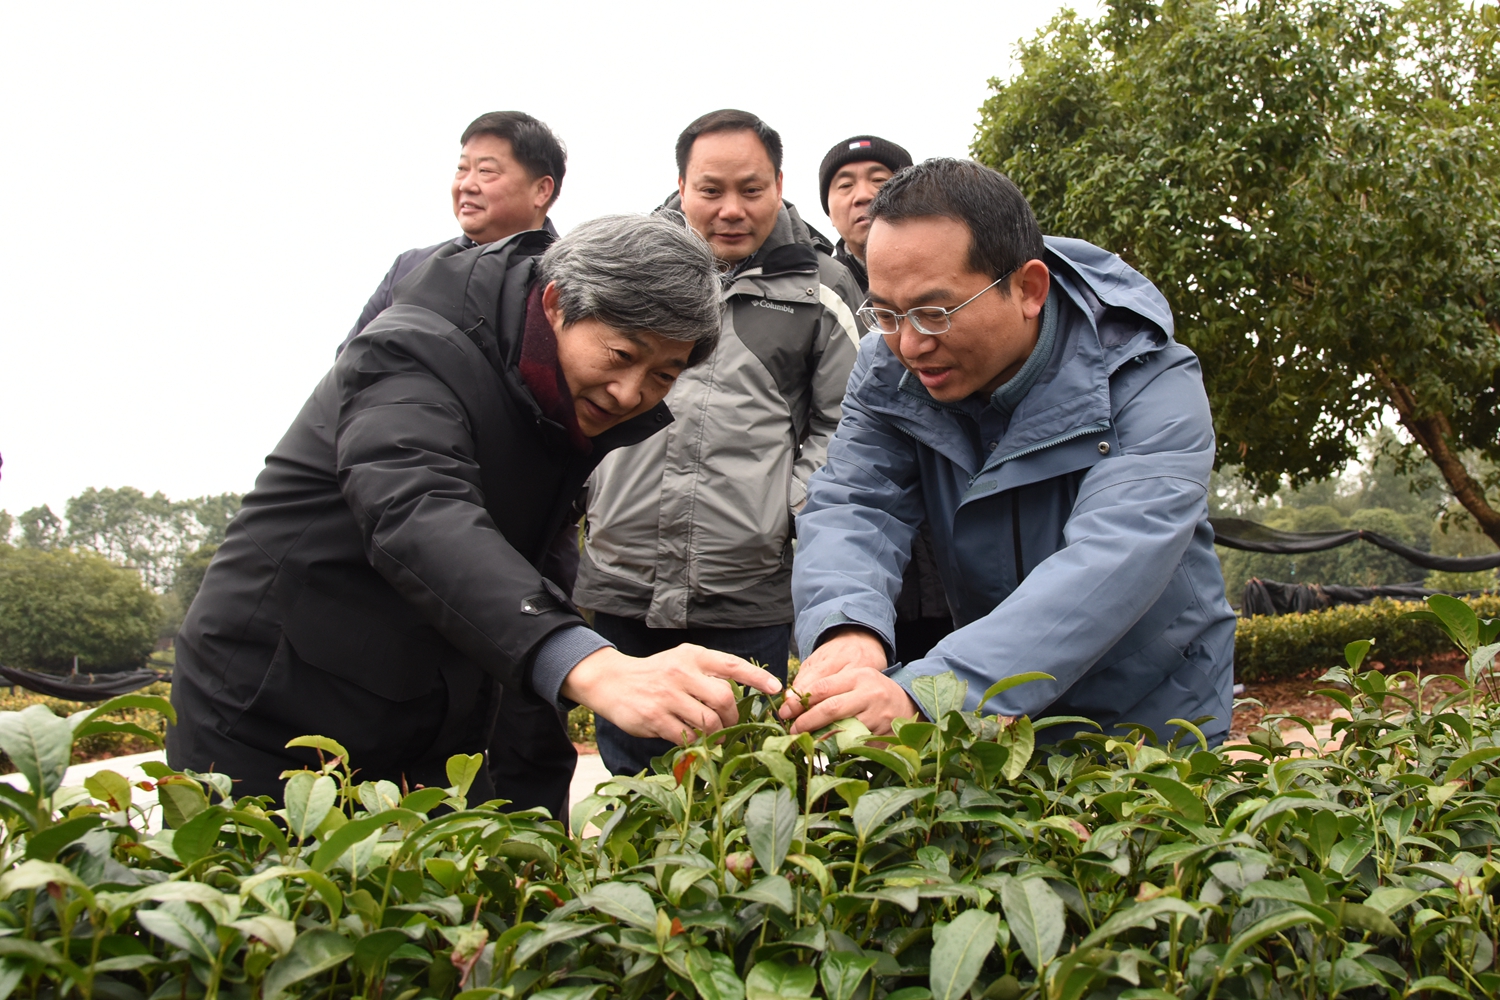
[1026, 397]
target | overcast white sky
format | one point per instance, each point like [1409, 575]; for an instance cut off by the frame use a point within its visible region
[197, 199]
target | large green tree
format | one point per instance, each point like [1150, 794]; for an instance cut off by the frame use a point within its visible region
[151, 533]
[58, 605]
[1315, 186]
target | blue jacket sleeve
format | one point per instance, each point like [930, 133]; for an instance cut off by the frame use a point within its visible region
[378, 303]
[854, 535]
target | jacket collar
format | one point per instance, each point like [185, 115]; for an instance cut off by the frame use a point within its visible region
[854, 264]
[792, 247]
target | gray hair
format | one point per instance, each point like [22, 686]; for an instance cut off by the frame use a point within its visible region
[639, 274]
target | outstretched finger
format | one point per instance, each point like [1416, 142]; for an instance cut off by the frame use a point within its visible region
[732, 668]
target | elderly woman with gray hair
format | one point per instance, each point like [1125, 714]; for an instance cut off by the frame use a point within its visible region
[381, 585]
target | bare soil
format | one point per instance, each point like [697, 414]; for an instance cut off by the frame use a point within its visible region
[1297, 697]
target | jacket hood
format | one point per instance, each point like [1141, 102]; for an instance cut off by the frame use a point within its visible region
[472, 289]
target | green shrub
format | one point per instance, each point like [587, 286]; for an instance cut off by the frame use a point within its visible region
[58, 605]
[1271, 647]
[954, 859]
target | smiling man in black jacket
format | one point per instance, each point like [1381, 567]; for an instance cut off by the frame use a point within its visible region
[380, 585]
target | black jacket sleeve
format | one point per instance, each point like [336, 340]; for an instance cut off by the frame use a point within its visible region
[409, 469]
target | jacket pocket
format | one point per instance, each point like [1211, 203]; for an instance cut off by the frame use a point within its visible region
[397, 665]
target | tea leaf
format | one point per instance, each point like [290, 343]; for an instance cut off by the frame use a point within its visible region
[309, 797]
[1035, 916]
[880, 804]
[314, 951]
[959, 953]
[842, 972]
[774, 890]
[770, 821]
[39, 744]
[773, 981]
[625, 901]
[713, 975]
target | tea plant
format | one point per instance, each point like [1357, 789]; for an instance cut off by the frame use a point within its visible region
[954, 859]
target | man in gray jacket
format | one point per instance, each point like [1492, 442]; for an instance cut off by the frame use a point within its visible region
[689, 534]
[1027, 399]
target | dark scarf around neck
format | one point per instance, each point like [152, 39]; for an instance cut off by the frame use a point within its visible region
[543, 374]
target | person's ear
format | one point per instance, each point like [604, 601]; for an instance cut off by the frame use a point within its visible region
[778, 185]
[1032, 282]
[681, 187]
[542, 191]
[552, 307]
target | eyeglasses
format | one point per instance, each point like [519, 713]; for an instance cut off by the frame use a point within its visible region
[931, 320]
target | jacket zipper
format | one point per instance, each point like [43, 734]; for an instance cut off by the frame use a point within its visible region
[1102, 425]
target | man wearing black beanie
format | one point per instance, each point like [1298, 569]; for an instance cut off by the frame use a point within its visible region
[852, 172]
[850, 175]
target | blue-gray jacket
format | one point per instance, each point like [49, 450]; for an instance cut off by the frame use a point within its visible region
[1076, 542]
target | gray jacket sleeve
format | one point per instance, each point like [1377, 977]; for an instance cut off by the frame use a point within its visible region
[1132, 522]
[838, 335]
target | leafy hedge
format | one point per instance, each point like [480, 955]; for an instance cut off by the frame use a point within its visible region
[1270, 647]
[954, 860]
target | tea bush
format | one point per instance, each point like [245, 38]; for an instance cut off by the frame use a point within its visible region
[955, 859]
[1272, 647]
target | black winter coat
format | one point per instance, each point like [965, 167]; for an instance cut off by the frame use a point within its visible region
[380, 585]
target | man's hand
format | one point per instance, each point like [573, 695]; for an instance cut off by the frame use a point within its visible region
[669, 695]
[849, 647]
[867, 695]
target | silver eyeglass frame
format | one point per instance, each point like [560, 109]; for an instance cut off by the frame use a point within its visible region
[871, 315]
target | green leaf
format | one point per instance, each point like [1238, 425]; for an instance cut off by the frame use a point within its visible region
[184, 925]
[842, 972]
[1254, 934]
[625, 901]
[1388, 899]
[39, 744]
[1459, 620]
[1015, 680]
[331, 747]
[774, 981]
[1468, 760]
[146, 702]
[314, 951]
[773, 889]
[781, 769]
[959, 953]
[35, 874]
[551, 934]
[770, 821]
[880, 804]
[1440, 984]
[275, 931]
[376, 948]
[462, 770]
[424, 800]
[181, 798]
[1021, 739]
[1365, 918]
[197, 837]
[308, 797]
[1178, 795]
[990, 757]
[939, 694]
[1035, 916]
[1355, 652]
[713, 975]
[351, 833]
[568, 993]
[46, 844]
[109, 787]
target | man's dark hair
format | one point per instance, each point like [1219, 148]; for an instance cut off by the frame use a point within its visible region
[532, 143]
[1003, 233]
[728, 120]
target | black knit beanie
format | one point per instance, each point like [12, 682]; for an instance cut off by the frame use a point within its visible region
[854, 150]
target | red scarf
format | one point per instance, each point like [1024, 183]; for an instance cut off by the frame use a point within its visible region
[544, 376]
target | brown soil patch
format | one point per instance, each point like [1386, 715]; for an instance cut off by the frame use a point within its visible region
[1296, 697]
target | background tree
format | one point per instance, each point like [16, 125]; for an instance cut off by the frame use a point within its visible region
[41, 529]
[1313, 185]
[7, 523]
[58, 605]
[150, 533]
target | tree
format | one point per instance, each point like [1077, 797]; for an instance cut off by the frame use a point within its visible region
[41, 529]
[6, 524]
[151, 533]
[58, 605]
[1315, 186]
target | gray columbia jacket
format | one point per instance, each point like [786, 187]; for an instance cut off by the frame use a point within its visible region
[693, 528]
[1068, 512]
